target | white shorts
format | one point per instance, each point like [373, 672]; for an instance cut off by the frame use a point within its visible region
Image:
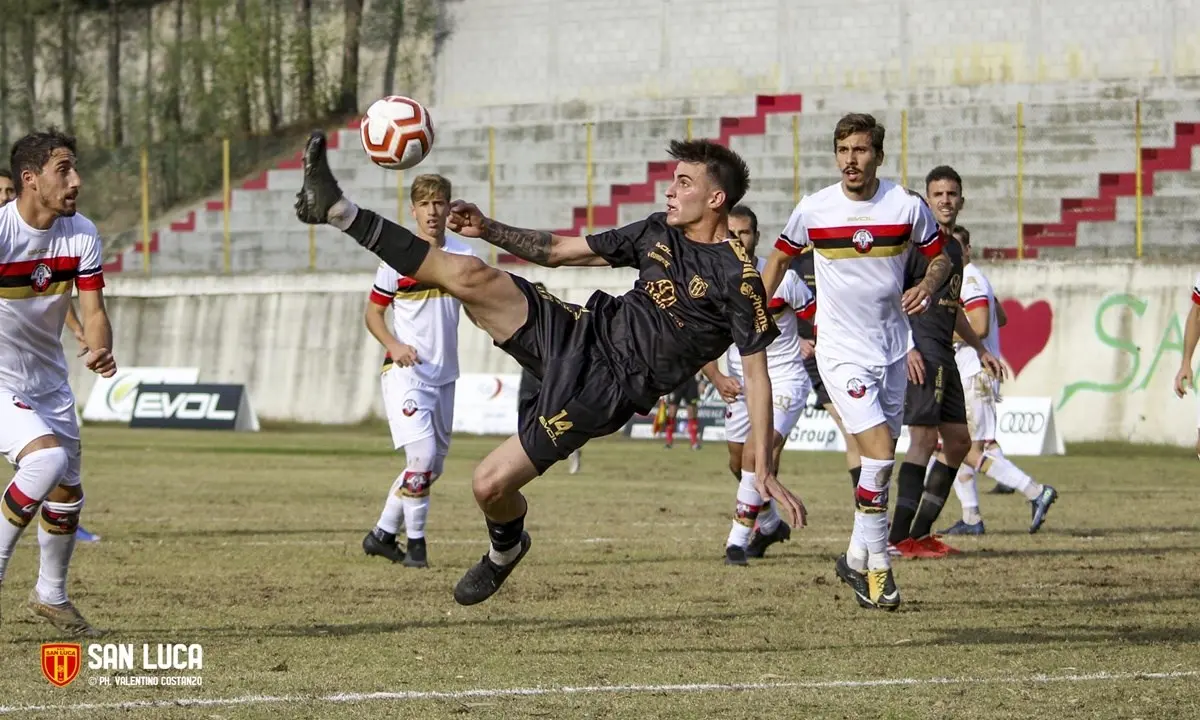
[981, 392]
[24, 418]
[790, 398]
[866, 395]
[416, 411]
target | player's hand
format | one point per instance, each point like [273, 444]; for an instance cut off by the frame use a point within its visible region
[915, 300]
[789, 504]
[101, 362]
[916, 367]
[992, 366]
[807, 348]
[728, 388]
[404, 355]
[466, 219]
[1184, 381]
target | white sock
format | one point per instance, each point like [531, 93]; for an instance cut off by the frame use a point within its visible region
[56, 539]
[968, 494]
[392, 516]
[36, 476]
[415, 511]
[504, 557]
[342, 214]
[768, 519]
[1001, 469]
[856, 553]
[749, 503]
[873, 523]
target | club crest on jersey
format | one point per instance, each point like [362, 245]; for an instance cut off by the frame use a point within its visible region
[697, 287]
[409, 408]
[855, 388]
[863, 241]
[17, 401]
[40, 277]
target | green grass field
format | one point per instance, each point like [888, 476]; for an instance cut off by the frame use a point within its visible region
[249, 545]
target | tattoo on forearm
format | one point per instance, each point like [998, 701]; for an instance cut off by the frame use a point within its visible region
[936, 274]
[531, 245]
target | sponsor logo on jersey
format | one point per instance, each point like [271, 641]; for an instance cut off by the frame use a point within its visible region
[697, 287]
[409, 408]
[855, 388]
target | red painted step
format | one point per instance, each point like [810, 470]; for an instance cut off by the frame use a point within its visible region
[1103, 207]
[641, 193]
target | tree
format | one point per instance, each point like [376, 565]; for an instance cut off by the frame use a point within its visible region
[4, 15]
[28, 113]
[116, 131]
[395, 31]
[348, 97]
[269, 47]
[68, 31]
[174, 104]
[308, 77]
[241, 55]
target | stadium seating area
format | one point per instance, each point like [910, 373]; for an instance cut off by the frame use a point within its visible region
[1078, 165]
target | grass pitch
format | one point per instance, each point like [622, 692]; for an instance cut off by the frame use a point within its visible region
[249, 545]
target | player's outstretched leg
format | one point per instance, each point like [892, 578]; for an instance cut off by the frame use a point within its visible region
[491, 296]
[497, 486]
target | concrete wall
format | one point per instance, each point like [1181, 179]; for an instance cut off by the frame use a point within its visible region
[618, 49]
[1104, 340]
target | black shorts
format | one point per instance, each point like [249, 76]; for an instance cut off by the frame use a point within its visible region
[940, 399]
[687, 393]
[818, 385]
[580, 397]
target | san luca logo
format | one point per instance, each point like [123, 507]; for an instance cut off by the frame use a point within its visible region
[123, 664]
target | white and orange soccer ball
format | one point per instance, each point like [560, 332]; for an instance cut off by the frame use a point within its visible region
[397, 132]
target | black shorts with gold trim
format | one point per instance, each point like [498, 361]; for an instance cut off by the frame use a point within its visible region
[580, 397]
[940, 398]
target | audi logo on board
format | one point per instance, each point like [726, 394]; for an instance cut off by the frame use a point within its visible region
[1022, 422]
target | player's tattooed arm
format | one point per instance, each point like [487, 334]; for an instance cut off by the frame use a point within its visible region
[531, 245]
[936, 273]
[540, 247]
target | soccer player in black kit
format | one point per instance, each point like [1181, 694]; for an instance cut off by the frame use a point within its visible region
[935, 403]
[602, 362]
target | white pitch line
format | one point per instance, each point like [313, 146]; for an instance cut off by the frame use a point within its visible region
[409, 696]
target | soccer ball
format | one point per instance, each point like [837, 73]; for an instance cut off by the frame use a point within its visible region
[396, 132]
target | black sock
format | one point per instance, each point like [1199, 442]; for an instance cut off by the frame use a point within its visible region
[854, 475]
[941, 480]
[912, 483]
[395, 245]
[507, 535]
[384, 537]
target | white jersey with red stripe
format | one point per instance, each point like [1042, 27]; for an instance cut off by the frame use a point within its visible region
[792, 299]
[976, 293]
[424, 317]
[38, 271]
[1196, 290]
[861, 251]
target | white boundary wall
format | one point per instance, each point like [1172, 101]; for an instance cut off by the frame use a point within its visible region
[1103, 340]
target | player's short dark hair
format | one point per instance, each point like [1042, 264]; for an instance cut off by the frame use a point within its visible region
[963, 235]
[33, 151]
[746, 212]
[859, 123]
[724, 166]
[943, 172]
[6, 173]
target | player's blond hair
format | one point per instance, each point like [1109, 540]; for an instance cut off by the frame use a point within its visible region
[430, 187]
[859, 123]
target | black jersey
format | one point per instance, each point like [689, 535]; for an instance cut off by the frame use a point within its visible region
[933, 330]
[806, 269]
[691, 301]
